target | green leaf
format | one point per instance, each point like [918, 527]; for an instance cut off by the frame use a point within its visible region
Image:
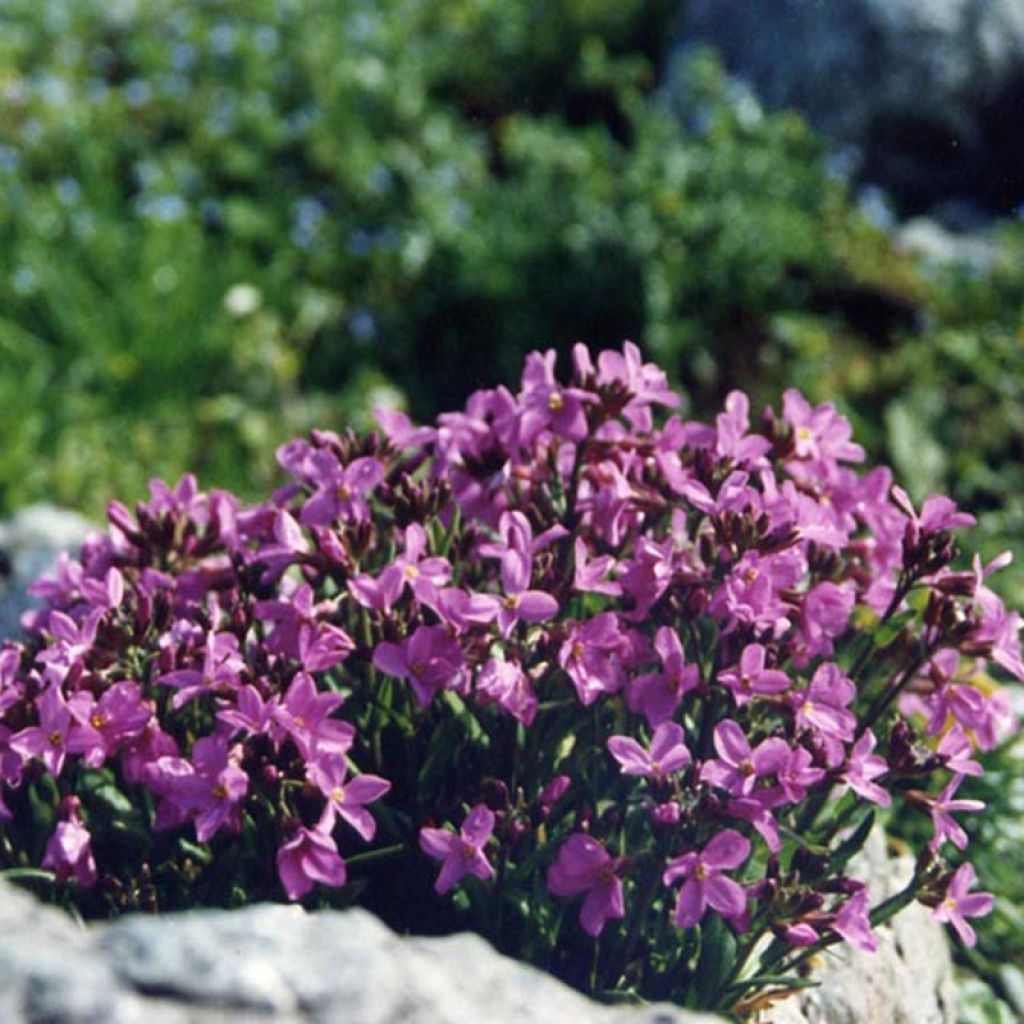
[717, 956]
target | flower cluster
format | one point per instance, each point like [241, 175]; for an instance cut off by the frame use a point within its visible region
[564, 646]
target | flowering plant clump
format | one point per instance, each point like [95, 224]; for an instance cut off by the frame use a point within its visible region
[623, 692]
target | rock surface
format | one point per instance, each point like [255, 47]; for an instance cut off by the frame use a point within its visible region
[30, 542]
[908, 981]
[281, 965]
[274, 964]
[930, 91]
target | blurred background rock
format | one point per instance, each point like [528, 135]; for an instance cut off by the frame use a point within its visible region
[223, 222]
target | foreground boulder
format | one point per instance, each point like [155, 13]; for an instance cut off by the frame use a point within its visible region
[930, 91]
[272, 963]
[280, 964]
[909, 980]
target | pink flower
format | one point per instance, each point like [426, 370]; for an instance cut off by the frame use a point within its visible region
[657, 695]
[824, 616]
[750, 677]
[310, 856]
[667, 753]
[221, 670]
[795, 775]
[592, 655]
[340, 491]
[304, 715]
[507, 685]
[583, 865]
[854, 924]
[946, 826]
[590, 576]
[346, 799]
[424, 576]
[955, 749]
[103, 726]
[69, 850]
[821, 708]
[429, 659]
[518, 602]
[49, 740]
[819, 432]
[739, 767]
[862, 767]
[705, 885]
[462, 854]
[960, 904]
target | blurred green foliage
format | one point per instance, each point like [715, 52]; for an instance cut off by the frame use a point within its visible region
[225, 221]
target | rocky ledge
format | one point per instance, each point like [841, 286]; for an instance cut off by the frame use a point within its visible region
[272, 963]
[281, 965]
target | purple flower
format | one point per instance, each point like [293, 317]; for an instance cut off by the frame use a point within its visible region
[518, 602]
[222, 669]
[304, 713]
[507, 685]
[590, 575]
[795, 775]
[69, 850]
[49, 740]
[583, 865]
[545, 405]
[346, 799]
[310, 856]
[217, 788]
[103, 726]
[942, 807]
[667, 753]
[298, 634]
[819, 432]
[853, 922]
[592, 655]
[424, 576]
[340, 491]
[955, 749]
[705, 884]
[738, 766]
[863, 767]
[750, 677]
[821, 708]
[429, 659]
[462, 854]
[937, 513]
[656, 695]
[960, 904]
[732, 437]
[824, 616]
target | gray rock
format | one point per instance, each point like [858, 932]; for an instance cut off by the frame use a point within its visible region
[30, 542]
[930, 91]
[274, 965]
[909, 980]
[281, 965]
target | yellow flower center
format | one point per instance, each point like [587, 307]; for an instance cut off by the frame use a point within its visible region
[555, 401]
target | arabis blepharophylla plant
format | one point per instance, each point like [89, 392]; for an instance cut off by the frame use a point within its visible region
[621, 691]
